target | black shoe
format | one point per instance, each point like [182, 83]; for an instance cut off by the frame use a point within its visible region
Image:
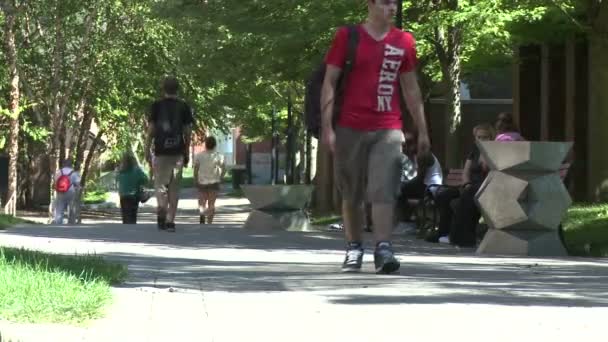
[161, 222]
[354, 259]
[432, 236]
[202, 219]
[384, 259]
[171, 227]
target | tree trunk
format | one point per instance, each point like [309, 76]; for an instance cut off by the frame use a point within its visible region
[598, 106]
[75, 212]
[13, 106]
[453, 108]
[83, 138]
[89, 159]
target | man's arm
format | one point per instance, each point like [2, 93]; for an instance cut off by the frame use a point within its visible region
[328, 93]
[187, 141]
[148, 144]
[413, 99]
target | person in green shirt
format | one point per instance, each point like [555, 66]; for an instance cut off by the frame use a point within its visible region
[131, 180]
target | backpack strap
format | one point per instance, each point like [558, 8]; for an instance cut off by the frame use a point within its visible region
[351, 54]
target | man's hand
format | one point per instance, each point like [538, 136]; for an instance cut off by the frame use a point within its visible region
[328, 138]
[424, 144]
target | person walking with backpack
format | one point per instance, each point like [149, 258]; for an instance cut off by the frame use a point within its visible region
[170, 129]
[131, 180]
[209, 170]
[67, 182]
[366, 139]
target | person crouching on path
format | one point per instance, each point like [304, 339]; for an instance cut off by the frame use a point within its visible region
[209, 170]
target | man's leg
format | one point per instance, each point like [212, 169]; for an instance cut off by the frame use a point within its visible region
[350, 165]
[124, 209]
[466, 217]
[211, 205]
[131, 204]
[411, 189]
[202, 204]
[177, 163]
[443, 198]
[352, 215]
[163, 172]
[60, 207]
[382, 190]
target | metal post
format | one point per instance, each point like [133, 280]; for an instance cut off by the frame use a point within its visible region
[289, 155]
[248, 163]
[272, 146]
[277, 142]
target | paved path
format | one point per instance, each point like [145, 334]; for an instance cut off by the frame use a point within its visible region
[220, 283]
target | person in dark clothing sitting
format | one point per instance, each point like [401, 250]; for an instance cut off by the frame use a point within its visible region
[458, 213]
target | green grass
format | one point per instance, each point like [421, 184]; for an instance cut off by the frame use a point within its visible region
[37, 287]
[187, 178]
[7, 221]
[325, 220]
[96, 196]
[586, 230]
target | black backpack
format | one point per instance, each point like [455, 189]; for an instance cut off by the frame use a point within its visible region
[312, 99]
[169, 127]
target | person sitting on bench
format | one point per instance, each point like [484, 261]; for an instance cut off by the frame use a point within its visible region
[417, 174]
[458, 214]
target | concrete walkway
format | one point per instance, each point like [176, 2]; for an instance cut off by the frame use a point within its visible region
[220, 283]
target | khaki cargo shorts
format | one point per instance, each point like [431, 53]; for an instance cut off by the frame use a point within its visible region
[167, 171]
[367, 165]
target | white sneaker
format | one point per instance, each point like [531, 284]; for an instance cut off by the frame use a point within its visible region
[444, 239]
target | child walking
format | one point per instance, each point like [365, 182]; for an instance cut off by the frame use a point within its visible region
[131, 180]
[209, 169]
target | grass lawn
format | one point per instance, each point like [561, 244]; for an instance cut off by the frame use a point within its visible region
[37, 287]
[325, 220]
[7, 221]
[187, 178]
[96, 196]
[586, 230]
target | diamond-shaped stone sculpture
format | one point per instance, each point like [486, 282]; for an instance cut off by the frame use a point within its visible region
[278, 207]
[523, 198]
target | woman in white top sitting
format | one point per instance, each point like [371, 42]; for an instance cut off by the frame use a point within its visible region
[209, 169]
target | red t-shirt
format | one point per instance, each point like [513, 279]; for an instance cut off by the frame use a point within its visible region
[371, 94]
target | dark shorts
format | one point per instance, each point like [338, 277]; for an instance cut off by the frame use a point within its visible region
[367, 165]
[209, 187]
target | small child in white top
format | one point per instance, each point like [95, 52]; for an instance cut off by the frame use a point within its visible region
[209, 170]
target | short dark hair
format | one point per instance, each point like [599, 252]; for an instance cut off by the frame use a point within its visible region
[66, 163]
[506, 123]
[170, 85]
[210, 142]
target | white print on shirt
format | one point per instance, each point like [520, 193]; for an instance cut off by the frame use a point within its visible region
[388, 75]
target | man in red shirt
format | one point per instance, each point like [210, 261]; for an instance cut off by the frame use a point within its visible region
[367, 139]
